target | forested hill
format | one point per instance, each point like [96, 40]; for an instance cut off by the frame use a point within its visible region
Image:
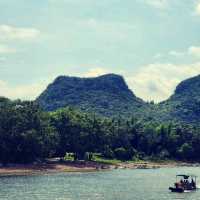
[109, 96]
[184, 104]
[106, 95]
[28, 133]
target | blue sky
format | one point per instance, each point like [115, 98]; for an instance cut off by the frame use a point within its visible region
[154, 44]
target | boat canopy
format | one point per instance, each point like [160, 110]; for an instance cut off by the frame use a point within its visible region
[186, 176]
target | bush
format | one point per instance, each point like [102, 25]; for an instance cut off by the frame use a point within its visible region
[108, 153]
[69, 156]
[164, 154]
[126, 154]
[185, 151]
[121, 153]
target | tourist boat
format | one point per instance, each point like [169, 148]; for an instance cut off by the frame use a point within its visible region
[184, 183]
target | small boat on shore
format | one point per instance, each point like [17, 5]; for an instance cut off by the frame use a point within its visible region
[184, 183]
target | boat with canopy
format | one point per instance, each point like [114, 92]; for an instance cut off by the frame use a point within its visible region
[184, 182]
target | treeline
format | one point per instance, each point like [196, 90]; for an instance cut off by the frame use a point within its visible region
[28, 134]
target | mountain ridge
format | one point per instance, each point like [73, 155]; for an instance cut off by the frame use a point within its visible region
[105, 95]
[109, 95]
[184, 104]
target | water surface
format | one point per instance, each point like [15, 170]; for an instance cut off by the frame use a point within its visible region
[124, 184]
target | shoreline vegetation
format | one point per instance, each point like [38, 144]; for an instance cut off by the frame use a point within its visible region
[87, 142]
[57, 166]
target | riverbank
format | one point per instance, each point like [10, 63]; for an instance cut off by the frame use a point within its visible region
[53, 167]
[85, 166]
[155, 165]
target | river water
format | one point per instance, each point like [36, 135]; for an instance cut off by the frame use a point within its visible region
[121, 184]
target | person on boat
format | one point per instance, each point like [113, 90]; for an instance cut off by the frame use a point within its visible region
[181, 182]
[193, 184]
[185, 183]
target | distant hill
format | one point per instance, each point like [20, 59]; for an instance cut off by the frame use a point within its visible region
[106, 95]
[109, 96]
[184, 104]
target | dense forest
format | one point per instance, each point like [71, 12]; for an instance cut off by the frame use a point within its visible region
[27, 134]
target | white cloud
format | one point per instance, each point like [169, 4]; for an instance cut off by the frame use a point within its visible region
[25, 92]
[194, 51]
[176, 53]
[98, 71]
[158, 56]
[197, 9]
[158, 81]
[93, 72]
[12, 33]
[160, 4]
[6, 50]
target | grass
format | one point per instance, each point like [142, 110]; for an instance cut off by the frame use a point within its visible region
[99, 159]
[79, 170]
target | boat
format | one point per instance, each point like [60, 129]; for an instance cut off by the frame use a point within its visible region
[184, 183]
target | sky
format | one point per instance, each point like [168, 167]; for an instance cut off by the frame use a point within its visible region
[154, 44]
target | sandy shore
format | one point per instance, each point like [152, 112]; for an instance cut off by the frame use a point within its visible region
[19, 169]
[155, 165]
[83, 167]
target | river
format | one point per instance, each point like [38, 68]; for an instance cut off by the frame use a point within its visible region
[121, 184]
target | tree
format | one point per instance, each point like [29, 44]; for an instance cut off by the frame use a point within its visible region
[186, 151]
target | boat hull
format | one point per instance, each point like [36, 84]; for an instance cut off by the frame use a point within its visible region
[179, 190]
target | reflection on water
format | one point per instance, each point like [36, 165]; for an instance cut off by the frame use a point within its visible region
[124, 184]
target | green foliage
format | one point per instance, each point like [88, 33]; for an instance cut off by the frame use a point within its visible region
[101, 159]
[183, 106]
[121, 153]
[164, 154]
[69, 157]
[29, 134]
[185, 151]
[107, 152]
[107, 96]
[25, 132]
[123, 126]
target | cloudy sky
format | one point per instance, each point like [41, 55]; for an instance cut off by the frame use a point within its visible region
[154, 44]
